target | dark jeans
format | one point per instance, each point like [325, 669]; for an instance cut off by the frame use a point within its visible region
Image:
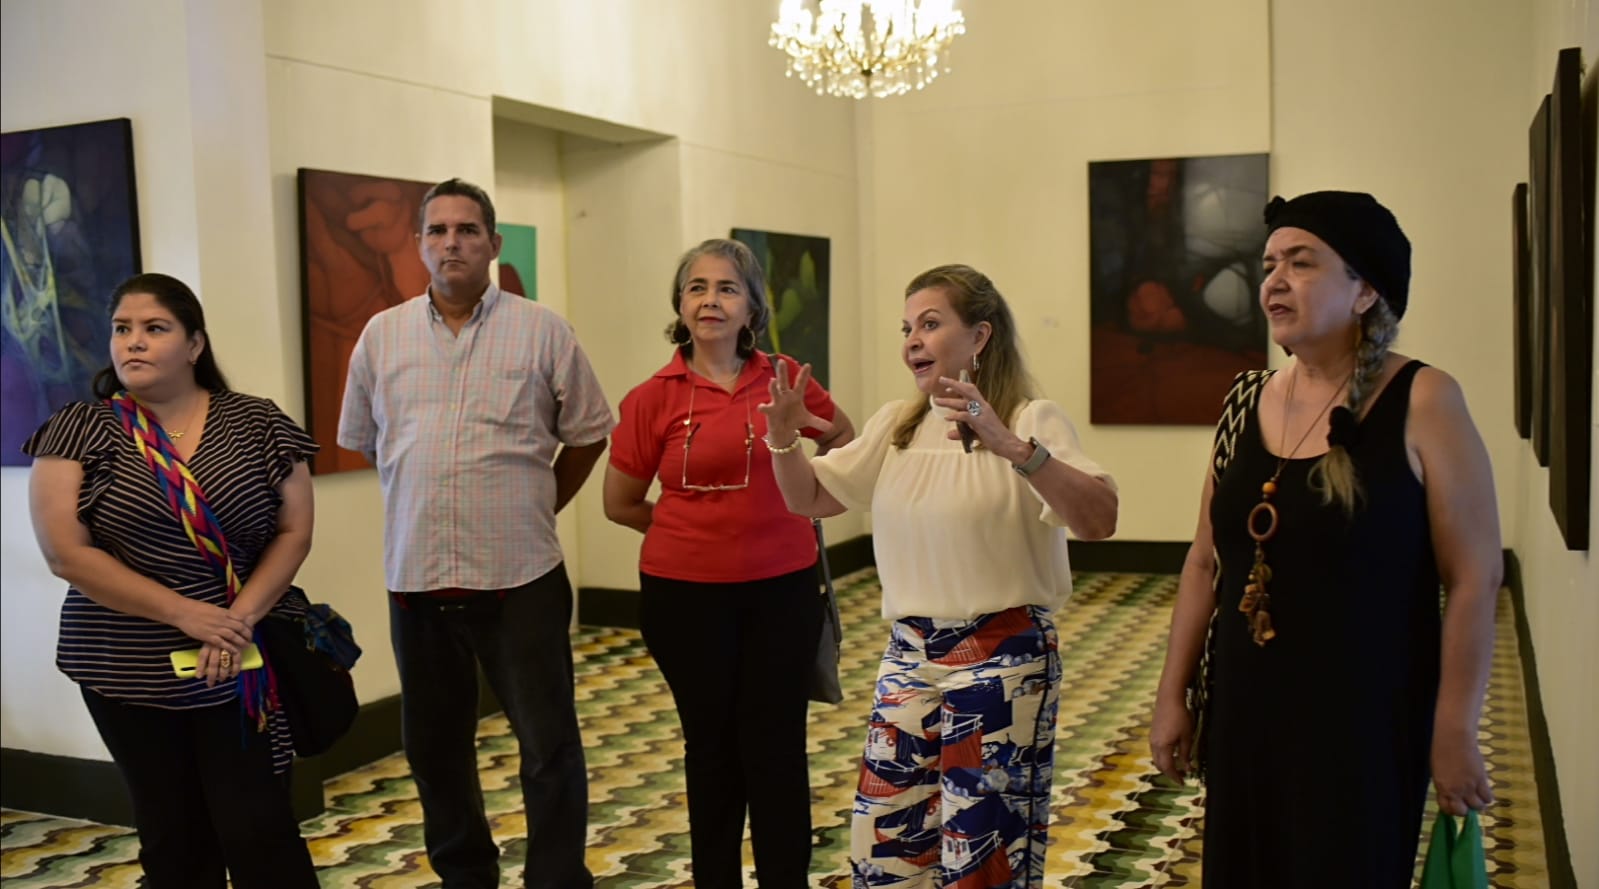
[520, 638]
[736, 657]
[205, 801]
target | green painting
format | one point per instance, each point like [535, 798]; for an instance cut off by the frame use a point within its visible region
[519, 259]
[797, 284]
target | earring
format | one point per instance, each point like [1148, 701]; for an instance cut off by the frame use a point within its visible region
[976, 364]
[746, 346]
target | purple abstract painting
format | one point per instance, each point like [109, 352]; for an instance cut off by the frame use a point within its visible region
[71, 235]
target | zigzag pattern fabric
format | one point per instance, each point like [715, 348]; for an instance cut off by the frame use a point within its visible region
[259, 693]
[1235, 408]
[1114, 823]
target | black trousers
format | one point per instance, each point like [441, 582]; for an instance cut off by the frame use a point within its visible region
[521, 641]
[205, 801]
[736, 657]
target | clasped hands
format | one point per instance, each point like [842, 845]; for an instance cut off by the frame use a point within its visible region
[222, 634]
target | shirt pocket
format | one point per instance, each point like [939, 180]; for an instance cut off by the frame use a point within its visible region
[505, 399]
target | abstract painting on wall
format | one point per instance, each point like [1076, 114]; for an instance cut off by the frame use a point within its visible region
[71, 234]
[1521, 330]
[1174, 269]
[797, 286]
[519, 259]
[1538, 336]
[1571, 304]
[358, 256]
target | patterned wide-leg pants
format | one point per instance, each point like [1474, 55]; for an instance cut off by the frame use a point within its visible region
[954, 785]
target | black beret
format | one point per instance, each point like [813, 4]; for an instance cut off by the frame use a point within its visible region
[1365, 234]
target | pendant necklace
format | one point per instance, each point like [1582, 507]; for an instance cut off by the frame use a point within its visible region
[1256, 603]
[190, 422]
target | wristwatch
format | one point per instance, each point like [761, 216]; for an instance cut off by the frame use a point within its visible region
[1036, 461]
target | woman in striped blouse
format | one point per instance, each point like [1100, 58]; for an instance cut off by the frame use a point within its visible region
[205, 758]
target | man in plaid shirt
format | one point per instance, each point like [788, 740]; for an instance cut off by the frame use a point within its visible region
[483, 418]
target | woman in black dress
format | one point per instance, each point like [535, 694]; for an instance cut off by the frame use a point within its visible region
[205, 758]
[1335, 686]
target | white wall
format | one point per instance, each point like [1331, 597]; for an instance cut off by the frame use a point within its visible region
[1429, 109]
[989, 167]
[39, 708]
[230, 100]
[1562, 587]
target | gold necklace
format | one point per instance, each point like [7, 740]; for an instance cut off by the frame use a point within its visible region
[187, 423]
[1256, 603]
[732, 377]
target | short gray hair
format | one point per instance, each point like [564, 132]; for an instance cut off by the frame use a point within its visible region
[749, 273]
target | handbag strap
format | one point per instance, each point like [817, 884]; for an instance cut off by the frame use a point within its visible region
[194, 514]
[1240, 400]
[827, 583]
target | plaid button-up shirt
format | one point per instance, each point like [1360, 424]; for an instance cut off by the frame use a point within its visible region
[463, 429]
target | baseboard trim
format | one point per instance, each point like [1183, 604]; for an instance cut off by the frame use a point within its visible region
[609, 607]
[1129, 556]
[1556, 848]
[92, 789]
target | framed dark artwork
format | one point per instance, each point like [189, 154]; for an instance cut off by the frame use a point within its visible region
[1538, 278]
[71, 233]
[1521, 325]
[1175, 270]
[798, 286]
[519, 259]
[1570, 304]
[358, 256]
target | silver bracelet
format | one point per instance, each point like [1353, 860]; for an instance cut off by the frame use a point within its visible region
[1034, 463]
[791, 446]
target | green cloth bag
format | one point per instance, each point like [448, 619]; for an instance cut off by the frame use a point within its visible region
[1455, 861]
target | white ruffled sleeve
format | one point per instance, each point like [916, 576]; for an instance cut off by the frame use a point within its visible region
[850, 473]
[1047, 421]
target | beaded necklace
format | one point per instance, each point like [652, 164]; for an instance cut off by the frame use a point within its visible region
[1256, 603]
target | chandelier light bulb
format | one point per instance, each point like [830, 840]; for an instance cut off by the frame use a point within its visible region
[860, 48]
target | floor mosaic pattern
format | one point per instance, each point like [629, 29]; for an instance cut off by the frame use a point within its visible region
[1113, 826]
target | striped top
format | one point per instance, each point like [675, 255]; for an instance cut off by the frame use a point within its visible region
[249, 448]
[463, 429]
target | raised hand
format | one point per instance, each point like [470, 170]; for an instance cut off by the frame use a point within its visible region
[969, 408]
[786, 414]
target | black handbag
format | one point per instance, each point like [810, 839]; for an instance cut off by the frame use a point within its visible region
[311, 656]
[822, 683]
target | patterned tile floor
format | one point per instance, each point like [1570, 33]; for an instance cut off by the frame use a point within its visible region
[1113, 828]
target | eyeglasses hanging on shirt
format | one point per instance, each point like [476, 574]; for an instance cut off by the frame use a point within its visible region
[693, 428]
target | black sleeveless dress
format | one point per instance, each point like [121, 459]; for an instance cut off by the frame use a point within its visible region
[1318, 743]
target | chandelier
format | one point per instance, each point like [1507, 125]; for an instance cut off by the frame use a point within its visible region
[857, 48]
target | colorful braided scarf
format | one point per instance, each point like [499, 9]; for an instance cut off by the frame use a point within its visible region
[258, 689]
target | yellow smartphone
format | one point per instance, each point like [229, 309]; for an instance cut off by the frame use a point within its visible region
[185, 662]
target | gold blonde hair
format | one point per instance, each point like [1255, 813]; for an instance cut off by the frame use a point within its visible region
[1002, 376]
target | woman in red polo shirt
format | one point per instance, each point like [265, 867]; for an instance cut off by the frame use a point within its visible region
[730, 608]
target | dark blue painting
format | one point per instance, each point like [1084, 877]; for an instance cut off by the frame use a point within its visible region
[71, 234]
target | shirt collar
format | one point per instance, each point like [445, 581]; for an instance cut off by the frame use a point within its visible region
[491, 298]
[757, 367]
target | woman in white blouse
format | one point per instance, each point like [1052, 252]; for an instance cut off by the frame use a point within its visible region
[972, 557]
